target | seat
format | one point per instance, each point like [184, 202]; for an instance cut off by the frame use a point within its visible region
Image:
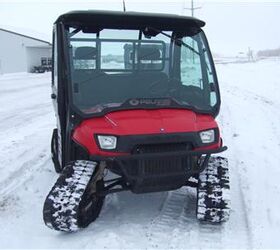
[92, 87]
[149, 57]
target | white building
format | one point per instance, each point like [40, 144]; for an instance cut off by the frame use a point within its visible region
[20, 53]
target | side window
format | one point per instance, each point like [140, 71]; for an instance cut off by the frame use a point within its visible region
[54, 56]
[211, 80]
[191, 74]
[197, 70]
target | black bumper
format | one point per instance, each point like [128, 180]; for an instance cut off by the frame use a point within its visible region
[152, 172]
[158, 155]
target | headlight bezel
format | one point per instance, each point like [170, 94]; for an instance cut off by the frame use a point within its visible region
[100, 139]
[210, 133]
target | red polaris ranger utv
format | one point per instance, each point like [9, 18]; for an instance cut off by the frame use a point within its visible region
[136, 96]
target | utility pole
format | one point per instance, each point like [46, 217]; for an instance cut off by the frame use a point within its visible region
[192, 8]
[192, 11]
[124, 9]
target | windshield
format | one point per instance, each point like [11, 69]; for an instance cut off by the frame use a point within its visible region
[124, 69]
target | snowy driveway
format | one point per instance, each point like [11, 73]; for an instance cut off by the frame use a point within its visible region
[250, 123]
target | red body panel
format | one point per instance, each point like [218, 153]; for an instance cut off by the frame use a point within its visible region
[140, 122]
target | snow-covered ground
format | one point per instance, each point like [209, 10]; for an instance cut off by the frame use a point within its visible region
[250, 123]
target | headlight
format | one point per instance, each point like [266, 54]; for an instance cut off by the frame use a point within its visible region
[207, 136]
[107, 142]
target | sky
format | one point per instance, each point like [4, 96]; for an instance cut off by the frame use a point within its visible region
[231, 26]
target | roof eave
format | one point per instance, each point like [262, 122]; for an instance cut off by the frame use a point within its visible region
[117, 16]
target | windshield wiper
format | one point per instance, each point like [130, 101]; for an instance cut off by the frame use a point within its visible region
[179, 41]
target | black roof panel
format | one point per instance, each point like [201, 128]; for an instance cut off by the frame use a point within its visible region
[129, 20]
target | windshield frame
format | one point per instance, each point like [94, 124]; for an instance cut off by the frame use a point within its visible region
[174, 104]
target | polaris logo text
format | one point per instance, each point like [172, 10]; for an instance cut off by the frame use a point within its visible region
[157, 102]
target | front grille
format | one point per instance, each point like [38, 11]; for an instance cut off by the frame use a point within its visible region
[161, 173]
[161, 148]
[162, 166]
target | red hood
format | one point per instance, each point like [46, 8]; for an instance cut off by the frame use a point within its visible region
[136, 122]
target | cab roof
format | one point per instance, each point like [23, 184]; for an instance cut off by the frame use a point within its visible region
[129, 20]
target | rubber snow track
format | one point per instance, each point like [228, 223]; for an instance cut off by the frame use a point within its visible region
[158, 220]
[62, 203]
[213, 191]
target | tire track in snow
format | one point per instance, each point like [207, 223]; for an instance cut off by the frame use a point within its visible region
[24, 124]
[239, 213]
[190, 233]
[169, 220]
[178, 226]
[20, 77]
[24, 116]
[210, 236]
[23, 90]
[186, 225]
[264, 118]
[243, 208]
[23, 174]
[254, 96]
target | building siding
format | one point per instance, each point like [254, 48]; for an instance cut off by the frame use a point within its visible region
[34, 56]
[18, 52]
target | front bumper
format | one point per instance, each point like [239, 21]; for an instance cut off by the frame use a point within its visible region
[158, 155]
[152, 172]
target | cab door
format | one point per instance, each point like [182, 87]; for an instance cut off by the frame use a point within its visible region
[58, 97]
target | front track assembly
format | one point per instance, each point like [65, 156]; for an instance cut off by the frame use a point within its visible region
[72, 203]
[77, 197]
[213, 198]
